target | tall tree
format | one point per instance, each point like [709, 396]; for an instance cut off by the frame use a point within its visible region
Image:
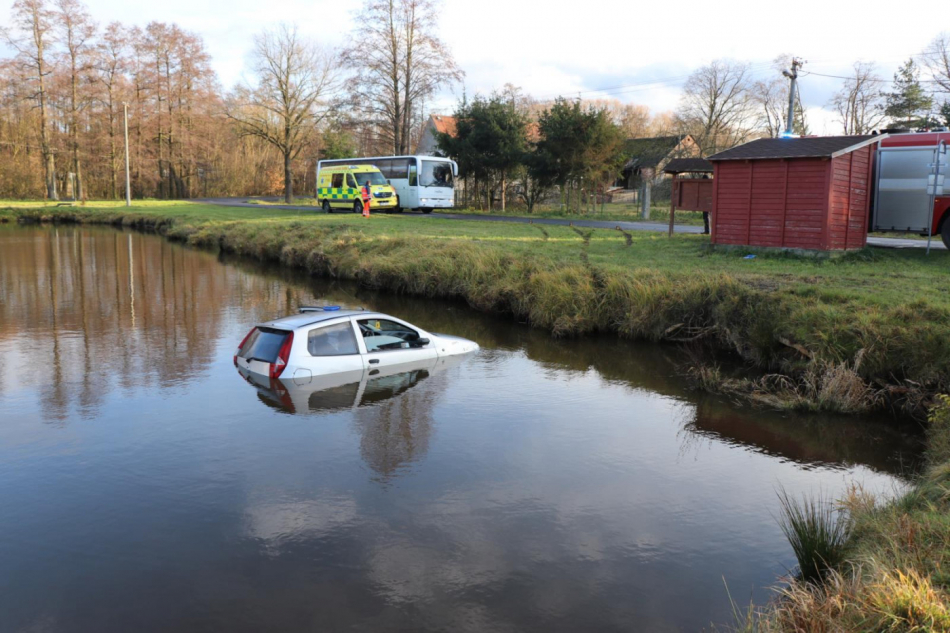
[76, 32]
[716, 107]
[936, 59]
[909, 105]
[860, 104]
[294, 79]
[575, 144]
[398, 62]
[31, 38]
[490, 139]
[111, 64]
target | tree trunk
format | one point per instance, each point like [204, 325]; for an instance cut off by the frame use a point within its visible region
[288, 182]
[113, 184]
[504, 186]
[48, 160]
[74, 129]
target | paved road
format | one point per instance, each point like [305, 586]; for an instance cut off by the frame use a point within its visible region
[656, 227]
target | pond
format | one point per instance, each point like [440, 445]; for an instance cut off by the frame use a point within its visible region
[538, 485]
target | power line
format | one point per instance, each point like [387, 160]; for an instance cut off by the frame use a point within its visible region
[647, 85]
[878, 79]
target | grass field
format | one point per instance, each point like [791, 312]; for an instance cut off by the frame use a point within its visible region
[883, 314]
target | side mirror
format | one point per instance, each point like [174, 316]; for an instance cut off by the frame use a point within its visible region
[422, 342]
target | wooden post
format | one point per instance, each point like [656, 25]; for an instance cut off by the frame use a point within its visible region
[673, 193]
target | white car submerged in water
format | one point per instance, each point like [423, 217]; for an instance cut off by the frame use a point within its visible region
[327, 340]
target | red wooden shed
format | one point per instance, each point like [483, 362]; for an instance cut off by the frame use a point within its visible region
[808, 193]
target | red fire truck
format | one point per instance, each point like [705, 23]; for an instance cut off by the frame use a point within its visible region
[904, 169]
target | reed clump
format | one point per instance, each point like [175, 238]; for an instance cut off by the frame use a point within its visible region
[818, 533]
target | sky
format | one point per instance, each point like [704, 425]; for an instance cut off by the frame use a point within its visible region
[642, 51]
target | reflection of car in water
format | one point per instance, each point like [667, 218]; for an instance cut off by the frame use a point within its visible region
[345, 390]
[322, 341]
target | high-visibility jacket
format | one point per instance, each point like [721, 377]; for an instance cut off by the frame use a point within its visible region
[367, 196]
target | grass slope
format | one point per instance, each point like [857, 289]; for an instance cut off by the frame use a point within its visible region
[891, 309]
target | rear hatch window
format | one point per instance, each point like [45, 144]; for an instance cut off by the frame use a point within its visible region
[264, 344]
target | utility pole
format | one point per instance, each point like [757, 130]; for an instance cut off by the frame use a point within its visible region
[128, 187]
[792, 75]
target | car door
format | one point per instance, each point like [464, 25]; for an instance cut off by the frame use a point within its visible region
[337, 199]
[353, 191]
[333, 349]
[390, 344]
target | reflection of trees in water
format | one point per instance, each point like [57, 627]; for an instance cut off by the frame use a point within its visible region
[395, 420]
[83, 311]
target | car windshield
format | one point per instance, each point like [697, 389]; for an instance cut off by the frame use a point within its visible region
[374, 178]
[436, 174]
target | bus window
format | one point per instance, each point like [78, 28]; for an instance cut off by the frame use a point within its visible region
[384, 165]
[412, 174]
[399, 168]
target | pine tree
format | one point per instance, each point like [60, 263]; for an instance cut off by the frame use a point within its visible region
[909, 105]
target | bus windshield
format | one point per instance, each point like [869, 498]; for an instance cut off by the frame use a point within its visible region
[436, 174]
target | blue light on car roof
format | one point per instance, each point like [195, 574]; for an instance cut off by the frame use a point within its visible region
[330, 308]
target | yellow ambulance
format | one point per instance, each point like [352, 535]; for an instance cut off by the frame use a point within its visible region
[339, 187]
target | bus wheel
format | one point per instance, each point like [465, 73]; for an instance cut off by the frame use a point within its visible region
[358, 207]
[326, 206]
[945, 232]
[426, 210]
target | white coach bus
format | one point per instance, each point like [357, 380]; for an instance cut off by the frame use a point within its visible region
[421, 182]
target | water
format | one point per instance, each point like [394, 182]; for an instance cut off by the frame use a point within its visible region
[539, 485]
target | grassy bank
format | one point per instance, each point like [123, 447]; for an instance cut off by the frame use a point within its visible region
[895, 572]
[882, 315]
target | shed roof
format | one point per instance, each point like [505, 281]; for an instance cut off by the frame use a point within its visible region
[808, 147]
[683, 165]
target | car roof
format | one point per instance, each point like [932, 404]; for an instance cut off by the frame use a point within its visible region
[303, 319]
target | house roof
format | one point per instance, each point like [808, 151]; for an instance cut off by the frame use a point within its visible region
[444, 123]
[807, 147]
[449, 125]
[650, 152]
[683, 165]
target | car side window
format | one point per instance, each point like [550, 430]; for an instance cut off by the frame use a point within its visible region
[337, 182]
[332, 340]
[351, 181]
[381, 335]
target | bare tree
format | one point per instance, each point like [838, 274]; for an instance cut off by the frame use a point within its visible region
[294, 80]
[860, 104]
[398, 62]
[76, 31]
[936, 59]
[32, 38]
[716, 107]
[111, 64]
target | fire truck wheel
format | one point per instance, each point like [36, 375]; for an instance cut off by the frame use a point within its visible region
[945, 232]
[326, 206]
[358, 206]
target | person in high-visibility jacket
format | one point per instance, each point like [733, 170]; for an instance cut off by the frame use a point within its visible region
[367, 196]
